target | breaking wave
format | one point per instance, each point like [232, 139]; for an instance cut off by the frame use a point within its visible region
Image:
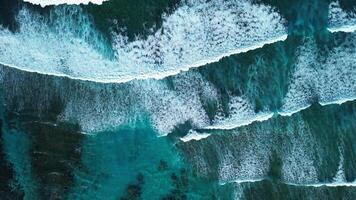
[191, 96]
[318, 76]
[196, 33]
[44, 3]
[286, 149]
[323, 76]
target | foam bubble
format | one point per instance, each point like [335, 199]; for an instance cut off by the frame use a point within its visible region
[241, 113]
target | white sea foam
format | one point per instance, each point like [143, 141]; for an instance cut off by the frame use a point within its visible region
[337, 76]
[99, 107]
[341, 20]
[338, 101]
[169, 107]
[299, 153]
[291, 112]
[193, 135]
[327, 184]
[166, 108]
[238, 121]
[241, 113]
[196, 33]
[331, 82]
[247, 153]
[319, 76]
[44, 3]
[301, 90]
[242, 181]
[345, 28]
[328, 77]
[340, 176]
[321, 184]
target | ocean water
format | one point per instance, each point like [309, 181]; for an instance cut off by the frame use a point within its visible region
[177, 99]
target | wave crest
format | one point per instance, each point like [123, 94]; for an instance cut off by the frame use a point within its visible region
[196, 33]
[44, 3]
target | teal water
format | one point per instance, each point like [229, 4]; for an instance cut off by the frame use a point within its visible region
[276, 122]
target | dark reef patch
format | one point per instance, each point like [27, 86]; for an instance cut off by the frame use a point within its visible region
[55, 154]
[8, 11]
[8, 185]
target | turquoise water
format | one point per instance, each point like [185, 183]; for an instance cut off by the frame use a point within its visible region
[204, 120]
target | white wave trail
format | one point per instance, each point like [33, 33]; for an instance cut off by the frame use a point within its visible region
[298, 151]
[327, 79]
[241, 114]
[44, 3]
[321, 184]
[240, 119]
[197, 33]
[327, 184]
[193, 135]
[333, 83]
[111, 104]
[236, 121]
[320, 76]
[340, 20]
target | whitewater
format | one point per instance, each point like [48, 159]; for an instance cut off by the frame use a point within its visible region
[45, 3]
[56, 45]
